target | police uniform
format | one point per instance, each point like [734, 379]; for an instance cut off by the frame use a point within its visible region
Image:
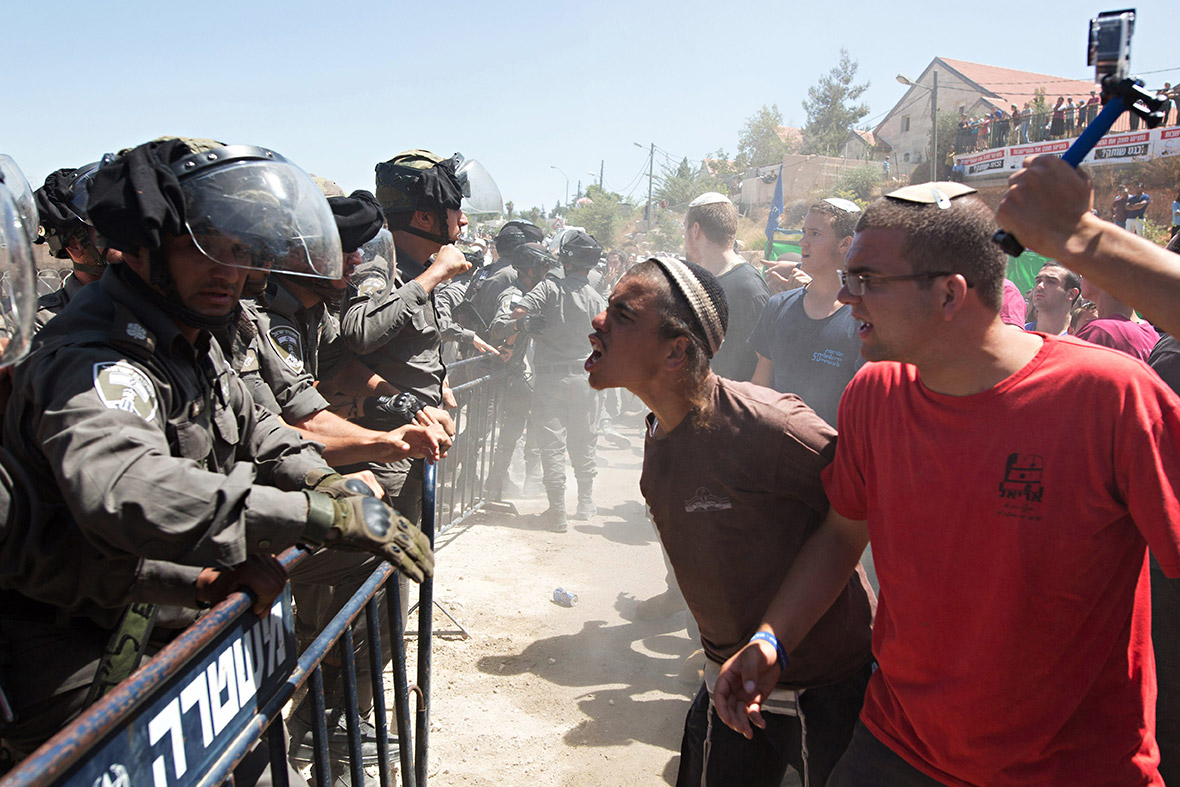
[154, 445]
[517, 401]
[288, 343]
[392, 325]
[51, 304]
[564, 404]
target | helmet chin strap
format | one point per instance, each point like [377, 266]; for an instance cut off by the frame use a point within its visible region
[163, 294]
[441, 215]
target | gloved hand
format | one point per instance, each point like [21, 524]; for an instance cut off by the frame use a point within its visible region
[530, 323]
[368, 524]
[390, 412]
[335, 485]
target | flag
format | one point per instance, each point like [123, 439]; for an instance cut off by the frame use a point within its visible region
[776, 207]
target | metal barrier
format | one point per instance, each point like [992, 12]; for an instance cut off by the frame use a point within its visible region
[191, 715]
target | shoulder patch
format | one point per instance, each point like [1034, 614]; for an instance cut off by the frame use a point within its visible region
[371, 285]
[249, 361]
[121, 386]
[288, 345]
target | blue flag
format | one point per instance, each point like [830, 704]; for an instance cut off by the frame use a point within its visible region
[776, 207]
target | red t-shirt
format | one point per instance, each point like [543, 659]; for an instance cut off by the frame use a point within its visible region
[1008, 529]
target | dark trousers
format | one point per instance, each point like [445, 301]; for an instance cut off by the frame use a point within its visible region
[713, 755]
[870, 763]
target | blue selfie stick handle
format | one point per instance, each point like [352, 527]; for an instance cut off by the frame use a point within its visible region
[1082, 146]
[1114, 107]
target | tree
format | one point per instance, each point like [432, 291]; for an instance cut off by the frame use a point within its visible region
[682, 184]
[603, 216]
[759, 143]
[831, 113]
[509, 206]
[859, 184]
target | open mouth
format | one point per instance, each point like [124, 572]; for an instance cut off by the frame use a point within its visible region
[595, 353]
[863, 327]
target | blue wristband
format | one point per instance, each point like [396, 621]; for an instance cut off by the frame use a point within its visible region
[766, 636]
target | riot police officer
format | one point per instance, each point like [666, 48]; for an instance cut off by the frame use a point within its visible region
[564, 405]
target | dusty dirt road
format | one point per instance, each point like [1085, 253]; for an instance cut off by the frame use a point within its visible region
[542, 694]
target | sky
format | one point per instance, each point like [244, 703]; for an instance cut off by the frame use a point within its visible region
[538, 92]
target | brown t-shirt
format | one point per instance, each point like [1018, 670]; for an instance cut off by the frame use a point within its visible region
[734, 503]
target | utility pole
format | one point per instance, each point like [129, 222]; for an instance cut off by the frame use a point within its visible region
[934, 162]
[601, 169]
[651, 162]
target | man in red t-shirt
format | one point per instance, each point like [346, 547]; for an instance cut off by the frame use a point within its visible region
[1011, 483]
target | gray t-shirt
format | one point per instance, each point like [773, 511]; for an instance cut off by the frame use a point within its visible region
[815, 359]
[746, 295]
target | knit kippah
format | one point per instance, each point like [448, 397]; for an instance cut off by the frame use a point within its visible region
[704, 295]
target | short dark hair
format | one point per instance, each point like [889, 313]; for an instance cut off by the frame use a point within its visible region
[1070, 281]
[677, 319]
[718, 220]
[956, 239]
[843, 221]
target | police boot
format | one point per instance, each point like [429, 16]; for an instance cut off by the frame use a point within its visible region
[586, 508]
[554, 517]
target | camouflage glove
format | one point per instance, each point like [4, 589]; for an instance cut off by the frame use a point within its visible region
[391, 412]
[530, 323]
[365, 523]
[335, 485]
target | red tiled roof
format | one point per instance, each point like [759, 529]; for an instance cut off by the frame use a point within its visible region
[1010, 86]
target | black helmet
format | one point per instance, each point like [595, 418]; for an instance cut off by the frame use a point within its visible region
[419, 180]
[579, 250]
[516, 233]
[273, 211]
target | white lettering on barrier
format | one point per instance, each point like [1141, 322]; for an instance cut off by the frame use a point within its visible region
[167, 722]
[221, 679]
[219, 691]
[197, 693]
[244, 670]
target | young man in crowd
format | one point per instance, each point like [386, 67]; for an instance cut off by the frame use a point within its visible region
[732, 522]
[710, 227]
[806, 339]
[1137, 210]
[1114, 326]
[1056, 290]
[1020, 570]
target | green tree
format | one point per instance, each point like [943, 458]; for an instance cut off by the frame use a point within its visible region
[509, 206]
[682, 184]
[859, 184]
[759, 143]
[831, 108]
[603, 216]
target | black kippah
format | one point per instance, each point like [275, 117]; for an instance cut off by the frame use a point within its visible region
[358, 218]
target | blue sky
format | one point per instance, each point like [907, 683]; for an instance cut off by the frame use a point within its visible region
[522, 87]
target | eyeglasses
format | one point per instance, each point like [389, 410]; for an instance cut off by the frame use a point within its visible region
[858, 283]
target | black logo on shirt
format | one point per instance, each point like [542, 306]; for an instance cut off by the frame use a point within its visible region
[1022, 478]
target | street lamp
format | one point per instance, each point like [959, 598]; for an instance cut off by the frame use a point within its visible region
[567, 183]
[903, 79]
[650, 166]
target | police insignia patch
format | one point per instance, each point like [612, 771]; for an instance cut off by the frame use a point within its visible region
[371, 286]
[285, 340]
[121, 386]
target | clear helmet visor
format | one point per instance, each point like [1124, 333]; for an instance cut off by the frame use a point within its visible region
[481, 195]
[18, 300]
[263, 215]
[21, 193]
[376, 272]
[79, 191]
